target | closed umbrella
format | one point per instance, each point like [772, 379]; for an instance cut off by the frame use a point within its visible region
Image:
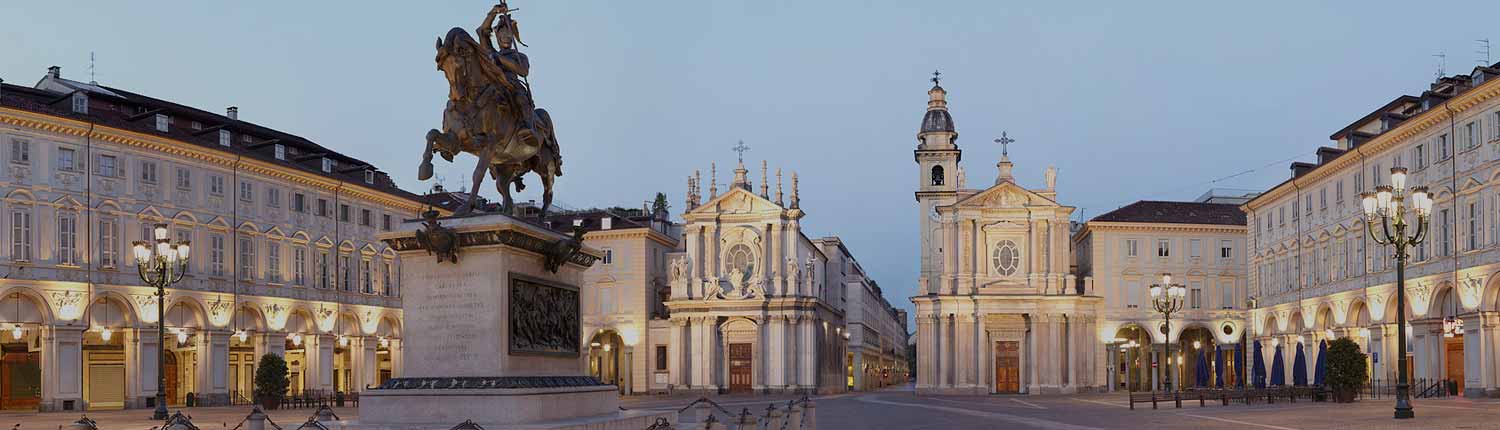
[1240, 377]
[1278, 368]
[1259, 377]
[1299, 368]
[1218, 367]
[1320, 371]
[1202, 366]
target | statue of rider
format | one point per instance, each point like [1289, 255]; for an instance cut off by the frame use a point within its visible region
[498, 35]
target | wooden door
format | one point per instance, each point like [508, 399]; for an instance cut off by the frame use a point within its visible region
[1455, 360]
[20, 380]
[740, 365]
[1008, 367]
[171, 371]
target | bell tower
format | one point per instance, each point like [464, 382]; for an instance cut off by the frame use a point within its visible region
[938, 177]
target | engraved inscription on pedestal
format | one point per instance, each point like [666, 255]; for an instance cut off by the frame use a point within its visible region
[451, 307]
[544, 317]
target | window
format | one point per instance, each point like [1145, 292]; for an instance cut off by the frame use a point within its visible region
[224, 138]
[246, 138]
[247, 191]
[1195, 248]
[247, 258]
[1307, 206]
[369, 176]
[67, 238]
[661, 358]
[216, 185]
[184, 178]
[273, 261]
[1359, 185]
[606, 223]
[1163, 248]
[1226, 295]
[1131, 247]
[1420, 156]
[273, 197]
[216, 254]
[609, 256]
[1226, 249]
[385, 222]
[20, 234]
[327, 165]
[1133, 295]
[299, 265]
[606, 302]
[366, 280]
[196, 125]
[148, 172]
[1323, 198]
[366, 218]
[345, 273]
[1375, 175]
[280, 151]
[1444, 148]
[299, 203]
[343, 213]
[937, 176]
[80, 103]
[163, 123]
[1474, 224]
[109, 246]
[325, 278]
[385, 280]
[65, 159]
[1471, 135]
[107, 167]
[1338, 192]
[1446, 227]
[20, 151]
[1006, 258]
[1195, 296]
[323, 208]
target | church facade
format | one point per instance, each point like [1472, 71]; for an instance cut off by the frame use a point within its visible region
[998, 309]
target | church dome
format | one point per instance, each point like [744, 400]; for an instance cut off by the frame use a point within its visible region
[937, 120]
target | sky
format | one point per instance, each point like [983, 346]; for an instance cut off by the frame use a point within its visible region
[1129, 100]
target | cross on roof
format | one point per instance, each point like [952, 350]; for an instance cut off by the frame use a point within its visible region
[740, 148]
[1004, 142]
[936, 76]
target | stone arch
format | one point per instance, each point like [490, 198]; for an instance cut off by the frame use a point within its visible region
[1445, 303]
[347, 325]
[388, 327]
[186, 312]
[110, 309]
[1295, 324]
[1323, 318]
[21, 195]
[299, 320]
[24, 305]
[1359, 315]
[249, 318]
[1271, 326]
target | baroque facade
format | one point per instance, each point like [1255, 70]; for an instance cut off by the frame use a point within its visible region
[756, 305]
[1201, 244]
[285, 259]
[999, 310]
[1317, 274]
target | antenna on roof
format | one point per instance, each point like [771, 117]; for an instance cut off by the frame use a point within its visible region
[91, 69]
[1442, 64]
[1484, 45]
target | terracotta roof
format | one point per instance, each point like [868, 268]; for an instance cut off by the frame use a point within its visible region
[1176, 213]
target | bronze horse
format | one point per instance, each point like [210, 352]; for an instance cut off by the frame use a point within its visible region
[479, 120]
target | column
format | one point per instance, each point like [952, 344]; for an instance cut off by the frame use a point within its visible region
[924, 351]
[808, 377]
[676, 347]
[789, 240]
[323, 373]
[1037, 340]
[62, 368]
[397, 349]
[964, 334]
[696, 374]
[945, 354]
[1074, 351]
[140, 366]
[370, 365]
[966, 257]
[776, 355]
[712, 263]
[1375, 347]
[213, 367]
[777, 263]
[1056, 337]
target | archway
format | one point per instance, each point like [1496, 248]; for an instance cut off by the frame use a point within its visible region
[343, 354]
[184, 322]
[1133, 365]
[604, 357]
[104, 354]
[1194, 357]
[1452, 356]
[20, 352]
[387, 331]
[243, 354]
[298, 324]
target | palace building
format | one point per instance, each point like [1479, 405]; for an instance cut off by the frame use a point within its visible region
[755, 305]
[1317, 273]
[999, 308]
[285, 260]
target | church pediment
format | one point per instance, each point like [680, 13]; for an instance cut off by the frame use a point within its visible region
[1005, 195]
[737, 201]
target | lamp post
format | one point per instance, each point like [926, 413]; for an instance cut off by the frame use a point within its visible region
[1166, 297]
[160, 264]
[1388, 205]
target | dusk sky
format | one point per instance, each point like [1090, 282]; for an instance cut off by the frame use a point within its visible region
[1129, 100]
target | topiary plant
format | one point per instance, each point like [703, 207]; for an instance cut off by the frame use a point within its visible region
[270, 380]
[1346, 368]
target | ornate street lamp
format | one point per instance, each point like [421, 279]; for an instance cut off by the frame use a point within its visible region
[160, 264]
[1388, 205]
[1167, 298]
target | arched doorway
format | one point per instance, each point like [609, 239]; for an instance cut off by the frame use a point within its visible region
[1453, 337]
[183, 324]
[1132, 358]
[298, 325]
[343, 353]
[1194, 361]
[386, 332]
[104, 355]
[20, 352]
[604, 358]
[243, 356]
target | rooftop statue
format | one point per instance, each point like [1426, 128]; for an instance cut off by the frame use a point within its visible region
[490, 111]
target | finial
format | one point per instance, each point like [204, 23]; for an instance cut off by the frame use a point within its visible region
[936, 77]
[713, 180]
[795, 200]
[765, 185]
[1004, 142]
[778, 187]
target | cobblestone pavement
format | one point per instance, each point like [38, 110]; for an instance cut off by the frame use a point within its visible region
[901, 409]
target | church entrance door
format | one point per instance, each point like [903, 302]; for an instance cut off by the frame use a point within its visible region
[1008, 367]
[740, 365]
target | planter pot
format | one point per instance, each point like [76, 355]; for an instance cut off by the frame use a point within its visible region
[1344, 395]
[270, 403]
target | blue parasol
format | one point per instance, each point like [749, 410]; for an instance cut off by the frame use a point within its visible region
[1320, 371]
[1259, 377]
[1299, 368]
[1278, 368]
[1218, 367]
[1202, 365]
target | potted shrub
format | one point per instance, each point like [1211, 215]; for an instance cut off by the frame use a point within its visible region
[270, 381]
[1346, 369]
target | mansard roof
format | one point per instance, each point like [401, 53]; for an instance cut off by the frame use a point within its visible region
[1148, 211]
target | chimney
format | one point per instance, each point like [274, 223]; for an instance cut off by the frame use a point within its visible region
[54, 72]
[233, 112]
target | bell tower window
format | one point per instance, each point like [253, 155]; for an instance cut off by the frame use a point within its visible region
[937, 176]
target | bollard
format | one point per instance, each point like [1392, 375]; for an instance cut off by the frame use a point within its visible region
[793, 416]
[746, 421]
[712, 424]
[774, 418]
[256, 420]
[810, 411]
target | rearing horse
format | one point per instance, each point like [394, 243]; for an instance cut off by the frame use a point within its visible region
[480, 120]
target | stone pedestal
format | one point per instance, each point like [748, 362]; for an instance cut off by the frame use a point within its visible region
[494, 338]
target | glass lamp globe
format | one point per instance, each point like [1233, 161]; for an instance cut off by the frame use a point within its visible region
[1398, 178]
[1156, 291]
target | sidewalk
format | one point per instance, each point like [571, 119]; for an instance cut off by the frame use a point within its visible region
[211, 418]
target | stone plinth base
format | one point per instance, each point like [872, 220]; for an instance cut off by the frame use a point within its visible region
[595, 407]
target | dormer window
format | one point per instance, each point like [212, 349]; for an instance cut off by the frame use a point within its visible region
[224, 138]
[245, 138]
[197, 125]
[369, 176]
[280, 151]
[1478, 77]
[163, 123]
[606, 223]
[327, 165]
[80, 103]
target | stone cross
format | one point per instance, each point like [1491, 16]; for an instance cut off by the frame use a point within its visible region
[741, 148]
[936, 76]
[1004, 142]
